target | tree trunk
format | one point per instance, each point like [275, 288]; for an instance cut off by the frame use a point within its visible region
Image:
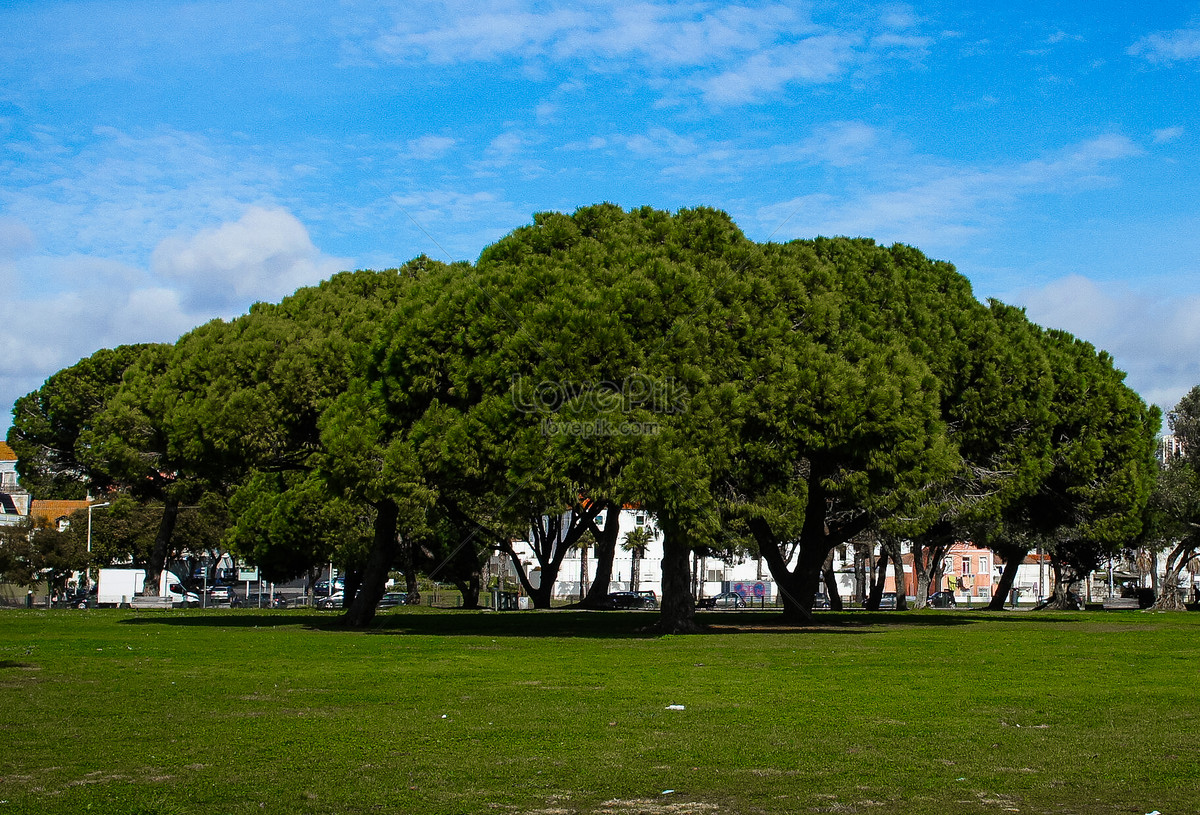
[898, 575]
[583, 572]
[162, 543]
[385, 545]
[1013, 558]
[876, 597]
[1168, 599]
[831, 586]
[861, 556]
[678, 610]
[635, 577]
[921, 575]
[606, 552]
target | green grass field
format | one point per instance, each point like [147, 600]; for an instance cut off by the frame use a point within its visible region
[566, 712]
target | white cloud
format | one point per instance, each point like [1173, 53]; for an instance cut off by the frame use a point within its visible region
[1155, 340]
[1167, 135]
[814, 60]
[426, 148]
[45, 334]
[265, 255]
[917, 200]
[1168, 46]
[15, 239]
[735, 54]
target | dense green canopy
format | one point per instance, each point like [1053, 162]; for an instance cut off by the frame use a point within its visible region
[783, 396]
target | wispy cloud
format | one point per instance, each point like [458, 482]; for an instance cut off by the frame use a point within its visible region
[729, 55]
[1155, 340]
[919, 200]
[1167, 135]
[1164, 47]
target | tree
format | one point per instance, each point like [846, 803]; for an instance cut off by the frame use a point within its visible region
[51, 426]
[636, 542]
[36, 552]
[1173, 518]
[1090, 500]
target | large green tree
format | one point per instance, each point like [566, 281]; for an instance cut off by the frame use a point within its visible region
[1090, 498]
[51, 427]
[1174, 512]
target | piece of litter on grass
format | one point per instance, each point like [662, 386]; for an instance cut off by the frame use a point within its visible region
[1155, 812]
[444, 716]
[960, 779]
[676, 707]
[667, 792]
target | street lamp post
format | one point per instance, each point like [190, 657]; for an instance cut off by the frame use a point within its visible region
[89, 537]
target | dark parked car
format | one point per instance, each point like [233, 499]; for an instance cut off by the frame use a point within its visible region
[820, 601]
[726, 599]
[393, 599]
[630, 599]
[888, 601]
[321, 587]
[942, 599]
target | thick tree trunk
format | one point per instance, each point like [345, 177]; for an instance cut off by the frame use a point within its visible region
[469, 587]
[385, 545]
[876, 596]
[606, 552]
[901, 580]
[162, 543]
[1013, 558]
[678, 610]
[830, 580]
[1168, 599]
[1064, 579]
[920, 575]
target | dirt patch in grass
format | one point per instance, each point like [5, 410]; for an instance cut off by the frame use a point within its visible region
[648, 806]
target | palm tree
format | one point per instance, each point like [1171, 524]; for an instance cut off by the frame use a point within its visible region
[583, 544]
[636, 541]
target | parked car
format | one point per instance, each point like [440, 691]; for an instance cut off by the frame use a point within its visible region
[820, 600]
[942, 599]
[393, 599]
[628, 599]
[321, 587]
[888, 601]
[649, 598]
[332, 601]
[726, 599]
[78, 599]
[218, 595]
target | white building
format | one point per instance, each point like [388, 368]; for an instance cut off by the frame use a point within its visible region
[14, 501]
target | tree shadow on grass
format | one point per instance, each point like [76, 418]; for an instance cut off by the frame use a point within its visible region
[585, 624]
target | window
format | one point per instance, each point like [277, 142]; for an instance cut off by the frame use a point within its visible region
[966, 565]
[983, 565]
[639, 519]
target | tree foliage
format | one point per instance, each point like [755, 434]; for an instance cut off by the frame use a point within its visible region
[786, 397]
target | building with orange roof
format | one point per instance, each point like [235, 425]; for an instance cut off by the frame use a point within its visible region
[56, 513]
[14, 501]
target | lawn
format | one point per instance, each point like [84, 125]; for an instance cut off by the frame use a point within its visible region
[567, 712]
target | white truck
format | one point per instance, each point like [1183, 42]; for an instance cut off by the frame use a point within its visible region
[118, 587]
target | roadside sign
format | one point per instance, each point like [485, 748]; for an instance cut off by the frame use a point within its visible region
[247, 573]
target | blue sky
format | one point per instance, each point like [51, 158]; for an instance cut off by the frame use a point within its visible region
[165, 163]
